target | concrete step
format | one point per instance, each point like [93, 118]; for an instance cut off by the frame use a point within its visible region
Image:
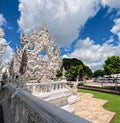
[58, 98]
[59, 101]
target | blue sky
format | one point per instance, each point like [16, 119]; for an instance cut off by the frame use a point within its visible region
[88, 30]
[10, 12]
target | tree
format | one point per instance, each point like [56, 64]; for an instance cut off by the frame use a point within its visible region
[68, 62]
[98, 73]
[74, 68]
[71, 73]
[75, 71]
[112, 65]
[87, 71]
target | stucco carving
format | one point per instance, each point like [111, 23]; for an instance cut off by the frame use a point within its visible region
[3, 46]
[30, 63]
[1, 33]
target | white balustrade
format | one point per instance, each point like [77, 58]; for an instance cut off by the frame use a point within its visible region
[45, 87]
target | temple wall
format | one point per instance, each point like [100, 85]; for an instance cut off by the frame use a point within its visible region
[20, 106]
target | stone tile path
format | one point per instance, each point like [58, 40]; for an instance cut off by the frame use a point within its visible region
[92, 109]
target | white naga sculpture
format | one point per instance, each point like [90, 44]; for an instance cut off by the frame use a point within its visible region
[26, 61]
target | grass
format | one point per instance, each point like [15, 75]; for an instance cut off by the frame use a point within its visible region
[113, 103]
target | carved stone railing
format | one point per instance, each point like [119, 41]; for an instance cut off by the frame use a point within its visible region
[46, 87]
[20, 106]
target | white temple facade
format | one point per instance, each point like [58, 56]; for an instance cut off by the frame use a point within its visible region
[31, 70]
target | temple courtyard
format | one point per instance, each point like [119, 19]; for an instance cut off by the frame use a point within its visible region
[92, 109]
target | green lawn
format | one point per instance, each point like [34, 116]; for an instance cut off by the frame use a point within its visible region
[113, 103]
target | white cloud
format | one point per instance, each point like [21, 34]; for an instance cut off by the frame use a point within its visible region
[2, 20]
[112, 4]
[65, 56]
[93, 54]
[110, 40]
[116, 27]
[64, 17]
[8, 51]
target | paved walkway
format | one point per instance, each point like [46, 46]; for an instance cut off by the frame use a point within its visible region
[92, 109]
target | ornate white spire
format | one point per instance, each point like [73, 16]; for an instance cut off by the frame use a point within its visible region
[40, 70]
[44, 27]
[1, 33]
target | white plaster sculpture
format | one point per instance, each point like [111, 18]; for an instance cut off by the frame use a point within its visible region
[3, 46]
[1, 33]
[37, 69]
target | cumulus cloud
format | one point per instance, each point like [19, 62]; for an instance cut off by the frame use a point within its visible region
[64, 17]
[116, 27]
[93, 54]
[8, 51]
[2, 20]
[112, 4]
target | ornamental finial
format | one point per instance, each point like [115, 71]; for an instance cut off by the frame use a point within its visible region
[1, 33]
[44, 27]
